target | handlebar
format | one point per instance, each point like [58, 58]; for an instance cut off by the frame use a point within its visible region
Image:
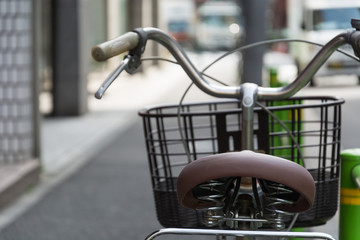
[131, 40]
[115, 46]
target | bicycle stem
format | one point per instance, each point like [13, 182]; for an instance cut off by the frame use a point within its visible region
[249, 96]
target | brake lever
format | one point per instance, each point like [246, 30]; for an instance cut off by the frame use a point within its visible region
[130, 63]
[111, 78]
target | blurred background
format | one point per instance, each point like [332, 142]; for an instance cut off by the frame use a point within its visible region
[67, 31]
[48, 78]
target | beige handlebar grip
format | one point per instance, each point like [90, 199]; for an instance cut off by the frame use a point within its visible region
[116, 46]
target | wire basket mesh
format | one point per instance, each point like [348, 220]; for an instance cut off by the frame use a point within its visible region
[175, 136]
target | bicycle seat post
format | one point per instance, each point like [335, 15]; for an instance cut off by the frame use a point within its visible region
[248, 97]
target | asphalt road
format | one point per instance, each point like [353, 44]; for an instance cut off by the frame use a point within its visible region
[109, 198]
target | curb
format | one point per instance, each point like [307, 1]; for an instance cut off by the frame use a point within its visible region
[15, 179]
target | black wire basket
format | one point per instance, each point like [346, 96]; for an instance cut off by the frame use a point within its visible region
[215, 127]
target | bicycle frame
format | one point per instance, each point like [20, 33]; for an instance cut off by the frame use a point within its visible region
[247, 93]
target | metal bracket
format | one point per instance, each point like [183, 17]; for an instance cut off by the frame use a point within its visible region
[135, 53]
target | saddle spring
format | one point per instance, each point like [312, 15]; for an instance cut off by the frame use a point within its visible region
[215, 193]
[230, 205]
[276, 195]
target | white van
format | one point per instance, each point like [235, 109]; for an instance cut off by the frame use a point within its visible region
[321, 20]
[219, 26]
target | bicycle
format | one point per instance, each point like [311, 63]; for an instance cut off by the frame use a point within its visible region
[221, 159]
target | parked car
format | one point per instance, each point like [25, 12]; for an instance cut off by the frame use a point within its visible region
[219, 26]
[319, 21]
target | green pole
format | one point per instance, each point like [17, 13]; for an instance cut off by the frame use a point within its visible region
[285, 116]
[350, 195]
